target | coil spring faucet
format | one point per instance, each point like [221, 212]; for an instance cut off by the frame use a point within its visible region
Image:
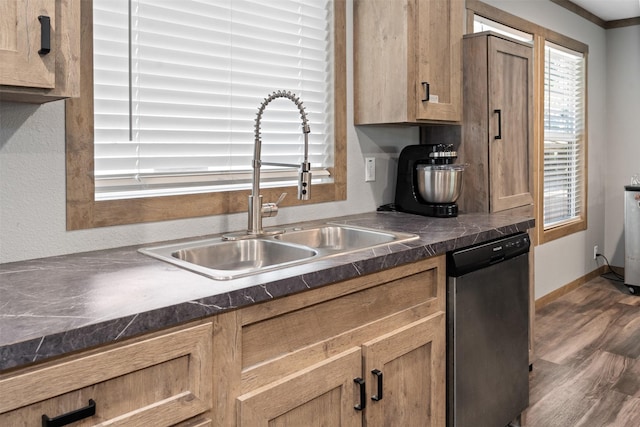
[258, 210]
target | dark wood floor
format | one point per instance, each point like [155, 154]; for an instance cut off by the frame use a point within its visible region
[586, 370]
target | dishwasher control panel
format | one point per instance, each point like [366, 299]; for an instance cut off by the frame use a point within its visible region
[465, 260]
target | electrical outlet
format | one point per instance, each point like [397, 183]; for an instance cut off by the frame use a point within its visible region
[595, 252]
[369, 169]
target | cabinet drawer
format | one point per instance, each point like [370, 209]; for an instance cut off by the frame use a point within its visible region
[160, 381]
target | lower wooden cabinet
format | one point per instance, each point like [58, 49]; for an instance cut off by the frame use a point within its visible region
[366, 351]
[160, 381]
[396, 379]
[407, 373]
[321, 395]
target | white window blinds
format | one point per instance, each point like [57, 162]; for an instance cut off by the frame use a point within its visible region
[564, 92]
[177, 85]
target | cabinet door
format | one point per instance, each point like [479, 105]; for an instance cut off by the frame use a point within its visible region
[398, 46]
[439, 29]
[411, 362]
[20, 30]
[510, 124]
[322, 395]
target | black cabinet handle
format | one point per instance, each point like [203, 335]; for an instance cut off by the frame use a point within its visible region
[378, 374]
[73, 416]
[499, 113]
[426, 91]
[363, 394]
[45, 34]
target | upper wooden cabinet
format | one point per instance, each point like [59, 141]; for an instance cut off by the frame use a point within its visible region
[31, 70]
[408, 61]
[497, 131]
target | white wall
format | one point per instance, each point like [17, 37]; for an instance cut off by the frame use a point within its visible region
[564, 260]
[32, 185]
[623, 131]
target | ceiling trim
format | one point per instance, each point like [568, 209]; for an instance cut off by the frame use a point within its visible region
[579, 10]
[618, 23]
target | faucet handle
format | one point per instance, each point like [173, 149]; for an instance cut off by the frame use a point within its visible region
[271, 209]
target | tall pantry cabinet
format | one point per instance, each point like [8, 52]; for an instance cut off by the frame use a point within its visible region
[497, 131]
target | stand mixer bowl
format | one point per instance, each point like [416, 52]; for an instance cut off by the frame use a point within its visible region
[440, 183]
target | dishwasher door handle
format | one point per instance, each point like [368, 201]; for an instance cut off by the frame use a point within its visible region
[496, 259]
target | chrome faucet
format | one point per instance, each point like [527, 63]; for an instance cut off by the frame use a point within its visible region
[258, 210]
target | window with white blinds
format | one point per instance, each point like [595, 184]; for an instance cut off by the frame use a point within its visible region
[564, 127]
[177, 85]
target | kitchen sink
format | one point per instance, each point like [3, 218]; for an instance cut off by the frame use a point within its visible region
[340, 238]
[229, 259]
[223, 260]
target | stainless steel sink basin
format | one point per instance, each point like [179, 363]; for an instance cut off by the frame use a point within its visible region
[229, 259]
[341, 238]
[223, 260]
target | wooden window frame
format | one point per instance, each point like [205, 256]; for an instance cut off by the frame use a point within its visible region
[84, 212]
[540, 35]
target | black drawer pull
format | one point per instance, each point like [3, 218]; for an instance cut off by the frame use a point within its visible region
[45, 34]
[73, 416]
[499, 113]
[363, 394]
[426, 91]
[378, 374]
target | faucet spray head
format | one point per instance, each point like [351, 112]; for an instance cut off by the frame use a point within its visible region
[304, 181]
[304, 176]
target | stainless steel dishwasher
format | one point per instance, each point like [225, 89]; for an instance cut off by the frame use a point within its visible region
[488, 333]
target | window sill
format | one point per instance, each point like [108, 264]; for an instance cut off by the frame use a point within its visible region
[562, 230]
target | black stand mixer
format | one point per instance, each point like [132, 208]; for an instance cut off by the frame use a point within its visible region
[428, 182]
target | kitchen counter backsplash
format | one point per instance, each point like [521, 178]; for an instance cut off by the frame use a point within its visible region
[53, 306]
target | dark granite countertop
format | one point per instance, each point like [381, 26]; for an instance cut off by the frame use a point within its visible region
[57, 305]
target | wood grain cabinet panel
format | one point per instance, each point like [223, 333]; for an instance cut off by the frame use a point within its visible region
[27, 72]
[20, 62]
[160, 381]
[323, 394]
[406, 373]
[404, 49]
[497, 131]
[293, 360]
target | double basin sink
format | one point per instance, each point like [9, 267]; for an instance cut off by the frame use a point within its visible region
[229, 259]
